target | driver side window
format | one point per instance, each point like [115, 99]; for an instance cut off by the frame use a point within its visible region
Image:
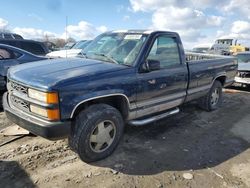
[165, 50]
[4, 54]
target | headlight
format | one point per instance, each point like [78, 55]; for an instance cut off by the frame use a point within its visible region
[38, 110]
[51, 114]
[51, 98]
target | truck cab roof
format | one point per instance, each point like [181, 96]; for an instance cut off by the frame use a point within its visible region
[138, 31]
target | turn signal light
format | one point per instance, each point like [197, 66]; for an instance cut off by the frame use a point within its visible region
[53, 114]
[52, 98]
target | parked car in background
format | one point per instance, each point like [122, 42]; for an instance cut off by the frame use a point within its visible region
[243, 76]
[126, 77]
[227, 46]
[68, 45]
[201, 48]
[5, 35]
[51, 46]
[10, 56]
[73, 52]
[81, 44]
[34, 47]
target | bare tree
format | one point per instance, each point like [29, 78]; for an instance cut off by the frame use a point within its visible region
[70, 39]
[4, 30]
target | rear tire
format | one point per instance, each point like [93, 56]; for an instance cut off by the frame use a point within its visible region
[213, 99]
[97, 132]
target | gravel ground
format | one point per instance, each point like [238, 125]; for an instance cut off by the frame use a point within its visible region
[192, 149]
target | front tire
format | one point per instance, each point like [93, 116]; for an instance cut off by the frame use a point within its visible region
[213, 99]
[97, 132]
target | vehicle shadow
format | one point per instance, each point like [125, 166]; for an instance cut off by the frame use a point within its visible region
[247, 89]
[13, 175]
[193, 139]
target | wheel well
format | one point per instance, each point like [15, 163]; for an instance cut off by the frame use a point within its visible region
[221, 79]
[119, 102]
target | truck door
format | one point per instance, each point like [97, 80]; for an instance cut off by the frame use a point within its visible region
[165, 87]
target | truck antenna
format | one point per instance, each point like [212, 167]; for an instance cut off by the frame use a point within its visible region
[66, 34]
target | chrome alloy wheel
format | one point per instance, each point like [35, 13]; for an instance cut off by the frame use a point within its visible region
[215, 96]
[102, 136]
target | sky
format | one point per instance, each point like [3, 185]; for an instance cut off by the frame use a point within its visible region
[197, 21]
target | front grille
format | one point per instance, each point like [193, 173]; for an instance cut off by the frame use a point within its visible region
[15, 101]
[19, 100]
[13, 86]
[19, 103]
[243, 74]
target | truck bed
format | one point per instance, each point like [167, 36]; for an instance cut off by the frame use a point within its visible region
[204, 69]
[197, 57]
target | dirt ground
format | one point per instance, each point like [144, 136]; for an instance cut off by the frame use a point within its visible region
[194, 148]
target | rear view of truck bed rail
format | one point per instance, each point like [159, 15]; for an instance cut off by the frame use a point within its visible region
[191, 56]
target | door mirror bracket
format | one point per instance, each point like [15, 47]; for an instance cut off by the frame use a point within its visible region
[152, 65]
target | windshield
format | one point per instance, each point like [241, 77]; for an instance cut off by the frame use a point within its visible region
[225, 41]
[120, 48]
[243, 58]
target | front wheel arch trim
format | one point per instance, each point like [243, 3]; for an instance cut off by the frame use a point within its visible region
[98, 97]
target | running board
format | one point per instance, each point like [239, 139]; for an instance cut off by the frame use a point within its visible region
[154, 118]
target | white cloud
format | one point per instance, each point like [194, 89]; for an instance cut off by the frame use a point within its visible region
[204, 4]
[239, 8]
[32, 33]
[102, 29]
[151, 5]
[241, 27]
[219, 33]
[188, 22]
[177, 18]
[3, 23]
[187, 17]
[215, 20]
[84, 30]
[239, 30]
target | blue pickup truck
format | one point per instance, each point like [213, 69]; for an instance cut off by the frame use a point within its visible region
[130, 77]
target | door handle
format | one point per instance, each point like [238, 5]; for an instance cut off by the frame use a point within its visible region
[162, 86]
[153, 81]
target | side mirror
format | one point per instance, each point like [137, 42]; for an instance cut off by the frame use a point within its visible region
[152, 65]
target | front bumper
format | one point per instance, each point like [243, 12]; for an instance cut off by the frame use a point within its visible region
[242, 80]
[37, 126]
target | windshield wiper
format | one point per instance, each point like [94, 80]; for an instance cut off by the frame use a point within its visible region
[108, 57]
[82, 54]
[128, 65]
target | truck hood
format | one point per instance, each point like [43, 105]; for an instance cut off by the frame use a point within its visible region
[244, 66]
[65, 53]
[47, 73]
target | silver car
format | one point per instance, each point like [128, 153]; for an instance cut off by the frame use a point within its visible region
[243, 76]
